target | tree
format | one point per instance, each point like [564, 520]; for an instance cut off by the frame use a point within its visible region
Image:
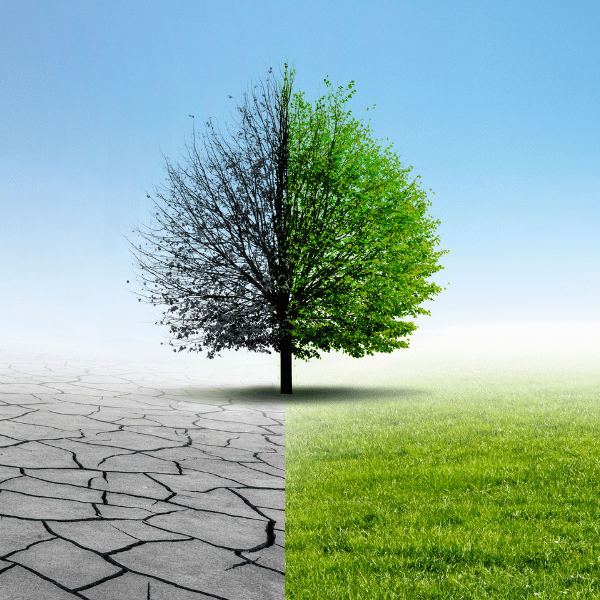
[299, 236]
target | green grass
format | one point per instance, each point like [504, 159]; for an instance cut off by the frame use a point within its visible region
[484, 488]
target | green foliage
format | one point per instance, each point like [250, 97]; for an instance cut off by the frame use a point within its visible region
[361, 245]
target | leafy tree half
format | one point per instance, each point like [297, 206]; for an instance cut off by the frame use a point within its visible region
[362, 245]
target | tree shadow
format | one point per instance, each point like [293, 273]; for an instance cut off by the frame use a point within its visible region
[303, 394]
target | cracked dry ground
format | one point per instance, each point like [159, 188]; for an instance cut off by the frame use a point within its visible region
[111, 489]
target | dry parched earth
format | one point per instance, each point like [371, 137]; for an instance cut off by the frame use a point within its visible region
[112, 488]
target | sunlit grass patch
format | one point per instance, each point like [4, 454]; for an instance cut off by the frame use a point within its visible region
[476, 487]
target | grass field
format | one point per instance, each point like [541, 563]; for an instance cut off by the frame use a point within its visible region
[457, 471]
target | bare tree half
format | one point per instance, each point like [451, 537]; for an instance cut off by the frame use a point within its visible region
[217, 258]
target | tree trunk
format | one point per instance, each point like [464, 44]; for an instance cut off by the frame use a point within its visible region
[285, 361]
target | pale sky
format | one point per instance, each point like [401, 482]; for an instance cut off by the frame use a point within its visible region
[494, 104]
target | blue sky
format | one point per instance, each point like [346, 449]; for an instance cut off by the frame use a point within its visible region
[494, 104]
